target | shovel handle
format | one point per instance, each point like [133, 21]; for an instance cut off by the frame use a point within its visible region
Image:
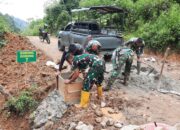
[57, 82]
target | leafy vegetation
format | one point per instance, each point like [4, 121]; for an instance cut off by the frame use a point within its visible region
[21, 104]
[156, 21]
[33, 28]
[7, 24]
[58, 14]
[2, 41]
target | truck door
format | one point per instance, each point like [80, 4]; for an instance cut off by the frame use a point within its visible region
[65, 35]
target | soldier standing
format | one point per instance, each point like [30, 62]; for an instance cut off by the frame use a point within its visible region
[137, 45]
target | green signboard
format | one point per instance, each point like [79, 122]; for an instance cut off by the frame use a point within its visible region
[26, 56]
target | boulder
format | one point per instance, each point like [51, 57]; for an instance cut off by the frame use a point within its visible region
[51, 108]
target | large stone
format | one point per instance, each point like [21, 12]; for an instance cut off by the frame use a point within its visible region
[93, 106]
[110, 122]
[103, 122]
[130, 127]
[118, 125]
[52, 108]
[98, 112]
[111, 111]
[98, 119]
[82, 126]
[48, 125]
[103, 104]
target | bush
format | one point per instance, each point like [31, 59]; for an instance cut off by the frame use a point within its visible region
[21, 104]
[33, 28]
[164, 31]
[2, 41]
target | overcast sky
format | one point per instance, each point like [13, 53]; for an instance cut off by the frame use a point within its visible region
[23, 9]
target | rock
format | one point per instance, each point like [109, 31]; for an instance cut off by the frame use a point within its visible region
[93, 106]
[51, 108]
[120, 107]
[116, 111]
[104, 121]
[80, 123]
[103, 104]
[110, 122]
[118, 125]
[111, 111]
[90, 127]
[98, 119]
[98, 113]
[72, 126]
[153, 59]
[82, 126]
[103, 124]
[130, 127]
[48, 125]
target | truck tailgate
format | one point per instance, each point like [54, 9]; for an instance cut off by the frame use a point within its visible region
[109, 42]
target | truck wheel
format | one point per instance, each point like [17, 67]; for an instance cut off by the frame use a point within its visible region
[60, 47]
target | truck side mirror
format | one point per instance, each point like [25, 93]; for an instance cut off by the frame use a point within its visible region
[62, 29]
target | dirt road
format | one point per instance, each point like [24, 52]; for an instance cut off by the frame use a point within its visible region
[51, 50]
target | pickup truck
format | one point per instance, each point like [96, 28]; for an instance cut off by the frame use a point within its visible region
[83, 31]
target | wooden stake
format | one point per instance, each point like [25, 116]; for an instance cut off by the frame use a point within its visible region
[161, 72]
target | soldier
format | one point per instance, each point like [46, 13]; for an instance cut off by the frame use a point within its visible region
[74, 49]
[137, 45]
[121, 56]
[93, 47]
[95, 75]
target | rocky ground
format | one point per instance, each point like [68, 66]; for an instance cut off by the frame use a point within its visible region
[138, 103]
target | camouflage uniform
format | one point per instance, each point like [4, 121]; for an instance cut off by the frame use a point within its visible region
[137, 45]
[121, 56]
[93, 47]
[95, 74]
[74, 49]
